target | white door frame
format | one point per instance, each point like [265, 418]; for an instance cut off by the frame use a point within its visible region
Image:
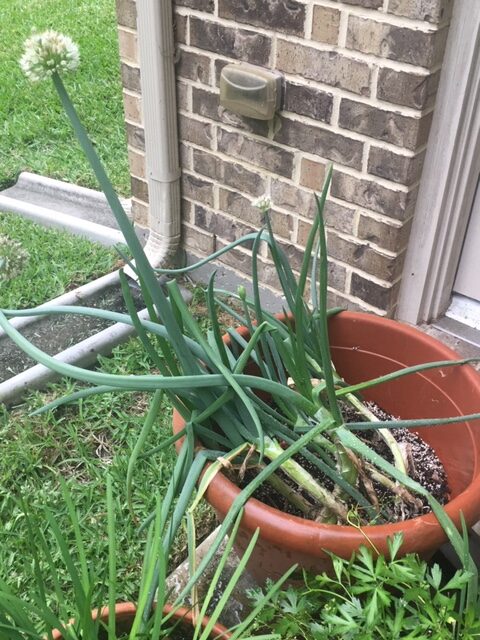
[449, 178]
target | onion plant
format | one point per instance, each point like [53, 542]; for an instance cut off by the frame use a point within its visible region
[210, 383]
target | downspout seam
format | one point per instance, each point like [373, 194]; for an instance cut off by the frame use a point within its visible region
[157, 69]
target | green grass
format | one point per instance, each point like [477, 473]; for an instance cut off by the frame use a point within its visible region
[82, 443]
[34, 132]
[57, 262]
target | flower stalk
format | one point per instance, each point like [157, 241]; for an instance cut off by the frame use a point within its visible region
[49, 53]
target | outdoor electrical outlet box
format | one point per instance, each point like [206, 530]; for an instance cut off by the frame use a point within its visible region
[250, 91]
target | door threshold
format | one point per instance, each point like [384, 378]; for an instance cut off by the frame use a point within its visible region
[458, 330]
[465, 311]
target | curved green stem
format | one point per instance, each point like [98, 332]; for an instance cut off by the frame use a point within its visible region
[154, 382]
[387, 436]
[403, 372]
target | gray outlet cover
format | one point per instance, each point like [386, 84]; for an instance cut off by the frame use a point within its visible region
[250, 91]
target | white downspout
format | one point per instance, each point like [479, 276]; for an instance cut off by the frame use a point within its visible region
[157, 60]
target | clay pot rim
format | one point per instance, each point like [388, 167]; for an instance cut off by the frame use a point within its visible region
[127, 610]
[221, 492]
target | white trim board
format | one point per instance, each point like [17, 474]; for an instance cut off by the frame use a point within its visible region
[450, 174]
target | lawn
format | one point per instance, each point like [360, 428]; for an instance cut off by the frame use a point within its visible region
[57, 262]
[81, 443]
[34, 132]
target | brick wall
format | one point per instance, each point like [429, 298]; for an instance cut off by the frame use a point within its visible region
[360, 84]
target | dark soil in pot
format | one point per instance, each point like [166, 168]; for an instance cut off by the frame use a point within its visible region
[424, 466]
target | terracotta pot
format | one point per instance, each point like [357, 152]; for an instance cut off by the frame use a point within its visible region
[363, 347]
[125, 614]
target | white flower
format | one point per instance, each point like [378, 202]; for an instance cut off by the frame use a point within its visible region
[48, 53]
[264, 203]
[12, 258]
